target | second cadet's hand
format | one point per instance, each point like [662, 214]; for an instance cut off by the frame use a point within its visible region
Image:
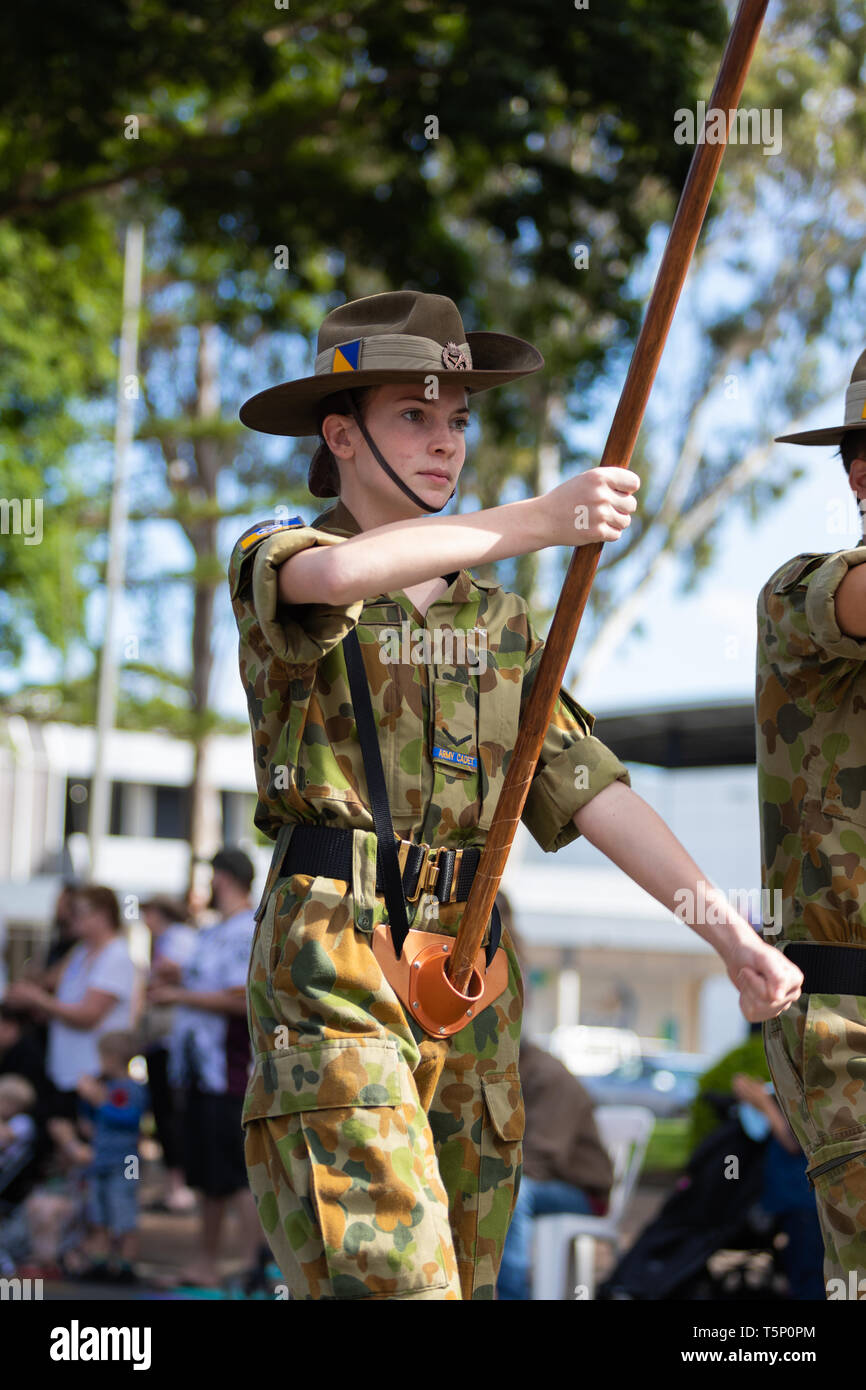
[767, 981]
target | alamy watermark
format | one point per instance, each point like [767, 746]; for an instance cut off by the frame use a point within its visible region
[750, 125]
[449, 646]
[17, 518]
[754, 904]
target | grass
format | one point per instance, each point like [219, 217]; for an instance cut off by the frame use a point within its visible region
[669, 1146]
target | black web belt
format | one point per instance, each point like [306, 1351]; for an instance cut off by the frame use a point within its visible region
[829, 969]
[327, 850]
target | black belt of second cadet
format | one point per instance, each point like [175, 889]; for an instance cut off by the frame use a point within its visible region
[829, 969]
[327, 851]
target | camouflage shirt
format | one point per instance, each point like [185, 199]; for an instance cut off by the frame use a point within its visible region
[447, 717]
[811, 753]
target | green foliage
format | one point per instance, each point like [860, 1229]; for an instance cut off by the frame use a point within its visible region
[59, 286]
[749, 1058]
[668, 1148]
[234, 130]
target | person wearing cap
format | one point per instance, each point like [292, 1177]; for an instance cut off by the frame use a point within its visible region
[811, 756]
[209, 1060]
[384, 1162]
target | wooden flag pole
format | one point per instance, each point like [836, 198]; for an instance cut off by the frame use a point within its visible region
[617, 452]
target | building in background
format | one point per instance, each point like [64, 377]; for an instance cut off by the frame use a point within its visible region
[600, 950]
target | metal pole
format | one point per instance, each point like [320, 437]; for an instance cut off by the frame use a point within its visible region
[127, 394]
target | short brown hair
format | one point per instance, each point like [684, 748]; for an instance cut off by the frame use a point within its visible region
[119, 1042]
[852, 446]
[336, 405]
[101, 899]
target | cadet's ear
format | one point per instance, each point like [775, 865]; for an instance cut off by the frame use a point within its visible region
[857, 472]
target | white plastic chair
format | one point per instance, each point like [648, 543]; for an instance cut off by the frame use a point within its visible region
[625, 1132]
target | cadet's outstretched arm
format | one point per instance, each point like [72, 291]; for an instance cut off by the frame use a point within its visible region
[627, 829]
[595, 505]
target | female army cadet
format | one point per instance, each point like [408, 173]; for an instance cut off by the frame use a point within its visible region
[383, 1161]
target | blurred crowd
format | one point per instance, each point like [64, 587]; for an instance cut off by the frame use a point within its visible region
[91, 1049]
[94, 1052]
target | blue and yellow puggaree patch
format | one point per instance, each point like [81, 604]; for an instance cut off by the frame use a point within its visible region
[347, 357]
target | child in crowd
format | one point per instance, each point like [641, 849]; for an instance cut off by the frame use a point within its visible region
[17, 1136]
[111, 1106]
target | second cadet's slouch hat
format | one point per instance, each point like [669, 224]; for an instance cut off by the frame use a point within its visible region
[401, 335]
[855, 413]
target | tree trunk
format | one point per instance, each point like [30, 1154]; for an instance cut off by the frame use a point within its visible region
[205, 827]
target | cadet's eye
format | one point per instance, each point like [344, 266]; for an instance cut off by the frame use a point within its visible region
[413, 410]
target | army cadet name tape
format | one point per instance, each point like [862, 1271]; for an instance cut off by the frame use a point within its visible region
[447, 755]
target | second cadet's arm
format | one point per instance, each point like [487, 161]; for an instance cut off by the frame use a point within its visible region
[595, 505]
[851, 602]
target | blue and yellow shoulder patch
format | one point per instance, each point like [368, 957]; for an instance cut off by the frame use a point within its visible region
[245, 546]
[268, 528]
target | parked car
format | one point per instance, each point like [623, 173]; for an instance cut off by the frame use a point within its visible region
[664, 1082]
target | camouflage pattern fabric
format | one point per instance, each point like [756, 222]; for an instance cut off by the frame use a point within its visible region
[384, 1163]
[811, 753]
[816, 1051]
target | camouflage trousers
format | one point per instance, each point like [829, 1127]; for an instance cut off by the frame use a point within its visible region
[816, 1052]
[384, 1163]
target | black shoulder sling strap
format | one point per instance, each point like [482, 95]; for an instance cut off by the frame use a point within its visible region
[390, 865]
[391, 875]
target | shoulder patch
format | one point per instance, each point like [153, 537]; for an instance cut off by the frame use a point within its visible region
[267, 528]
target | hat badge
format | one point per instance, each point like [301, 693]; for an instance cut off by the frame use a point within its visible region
[454, 359]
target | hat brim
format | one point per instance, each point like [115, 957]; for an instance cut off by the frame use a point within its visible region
[290, 408]
[832, 435]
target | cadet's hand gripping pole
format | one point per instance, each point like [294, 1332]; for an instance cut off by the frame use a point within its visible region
[617, 452]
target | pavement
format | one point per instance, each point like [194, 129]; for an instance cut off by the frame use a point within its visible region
[168, 1241]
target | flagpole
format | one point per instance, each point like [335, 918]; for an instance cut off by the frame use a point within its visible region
[127, 395]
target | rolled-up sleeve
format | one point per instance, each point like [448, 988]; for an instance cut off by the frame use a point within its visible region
[821, 587]
[298, 634]
[572, 768]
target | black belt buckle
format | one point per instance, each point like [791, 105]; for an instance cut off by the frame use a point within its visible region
[434, 874]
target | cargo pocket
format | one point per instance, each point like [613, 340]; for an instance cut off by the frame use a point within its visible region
[373, 1180]
[834, 1068]
[783, 1047]
[502, 1130]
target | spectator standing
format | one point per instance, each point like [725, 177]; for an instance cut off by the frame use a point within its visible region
[93, 995]
[210, 1060]
[173, 944]
[63, 937]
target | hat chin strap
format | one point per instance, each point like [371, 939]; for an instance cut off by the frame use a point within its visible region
[404, 487]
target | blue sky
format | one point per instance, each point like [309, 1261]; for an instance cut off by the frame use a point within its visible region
[701, 646]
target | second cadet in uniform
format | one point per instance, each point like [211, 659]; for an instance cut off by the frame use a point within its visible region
[811, 742]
